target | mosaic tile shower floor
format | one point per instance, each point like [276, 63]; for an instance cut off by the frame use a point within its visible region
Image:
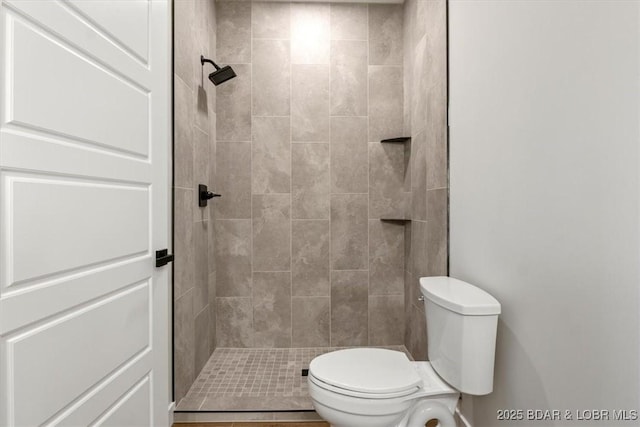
[255, 379]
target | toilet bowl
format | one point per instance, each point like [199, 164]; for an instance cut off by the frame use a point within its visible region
[376, 387]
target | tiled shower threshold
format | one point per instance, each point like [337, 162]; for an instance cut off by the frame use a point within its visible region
[255, 380]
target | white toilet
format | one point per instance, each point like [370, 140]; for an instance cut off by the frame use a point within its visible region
[372, 387]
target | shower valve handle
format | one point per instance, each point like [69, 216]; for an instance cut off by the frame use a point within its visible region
[205, 195]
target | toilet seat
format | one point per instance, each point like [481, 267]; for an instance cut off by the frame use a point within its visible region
[374, 373]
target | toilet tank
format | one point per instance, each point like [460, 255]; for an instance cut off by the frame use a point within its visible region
[462, 320]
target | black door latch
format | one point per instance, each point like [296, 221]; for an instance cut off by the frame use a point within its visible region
[163, 257]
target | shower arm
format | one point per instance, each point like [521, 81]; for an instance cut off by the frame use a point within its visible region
[203, 60]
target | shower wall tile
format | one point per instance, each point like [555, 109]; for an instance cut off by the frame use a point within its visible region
[183, 266]
[185, 59]
[272, 232]
[272, 309]
[202, 333]
[349, 158]
[349, 78]
[419, 177]
[235, 322]
[271, 85]
[385, 34]
[201, 265]
[310, 103]
[289, 255]
[233, 106]
[271, 164]
[184, 343]
[233, 257]
[385, 103]
[416, 333]
[271, 20]
[386, 181]
[349, 308]
[201, 157]
[386, 320]
[419, 86]
[310, 321]
[436, 131]
[212, 311]
[310, 180]
[194, 159]
[233, 32]
[349, 21]
[437, 232]
[419, 249]
[183, 134]
[310, 258]
[310, 33]
[386, 258]
[349, 232]
[233, 180]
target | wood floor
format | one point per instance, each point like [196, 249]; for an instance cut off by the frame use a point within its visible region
[253, 424]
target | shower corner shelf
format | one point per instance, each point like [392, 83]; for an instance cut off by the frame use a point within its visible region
[395, 219]
[398, 140]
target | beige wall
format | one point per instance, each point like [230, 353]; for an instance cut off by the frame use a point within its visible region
[545, 196]
[194, 157]
[425, 106]
[303, 258]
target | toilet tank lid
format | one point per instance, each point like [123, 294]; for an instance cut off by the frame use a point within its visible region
[458, 296]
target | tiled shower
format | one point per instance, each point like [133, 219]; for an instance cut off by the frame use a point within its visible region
[322, 231]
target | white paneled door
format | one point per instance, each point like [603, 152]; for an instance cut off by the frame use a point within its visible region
[84, 204]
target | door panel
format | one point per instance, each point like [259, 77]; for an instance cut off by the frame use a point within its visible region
[84, 203]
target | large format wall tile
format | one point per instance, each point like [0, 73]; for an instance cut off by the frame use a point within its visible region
[233, 180]
[349, 308]
[310, 103]
[271, 20]
[349, 78]
[183, 266]
[271, 85]
[437, 232]
[310, 258]
[184, 343]
[233, 257]
[386, 181]
[184, 59]
[419, 177]
[233, 106]
[436, 131]
[385, 34]
[311, 318]
[271, 162]
[310, 180]
[386, 258]
[201, 261]
[349, 157]
[385, 102]
[234, 32]
[234, 322]
[349, 232]
[386, 320]
[202, 333]
[349, 21]
[183, 134]
[272, 232]
[310, 33]
[272, 309]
